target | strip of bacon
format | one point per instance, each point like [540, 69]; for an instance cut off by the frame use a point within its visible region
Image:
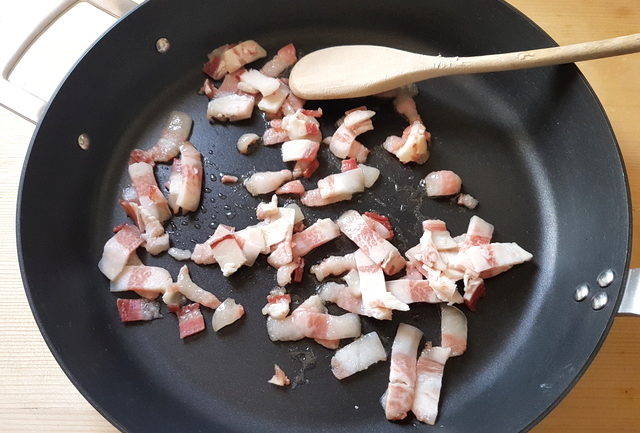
[190, 320]
[467, 200]
[343, 142]
[215, 67]
[429, 373]
[133, 310]
[312, 198]
[141, 277]
[285, 57]
[375, 298]
[379, 250]
[266, 181]
[149, 195]
[226, 251]
[413, 146]
[319, 233]
[239, 55]
[118, 249]
[474, 289]
[230, 107]
[300, 149]
[453, 329]
[175, 131]
[398, 399]
[344, 298]
[333, 265]
[358, 356]
[278, 303]
[412, 291]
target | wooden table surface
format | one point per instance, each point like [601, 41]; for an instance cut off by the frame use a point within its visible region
[36, 396]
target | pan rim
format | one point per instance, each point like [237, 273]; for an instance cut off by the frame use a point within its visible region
[59, 357]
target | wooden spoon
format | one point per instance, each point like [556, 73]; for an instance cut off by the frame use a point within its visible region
[359, 70]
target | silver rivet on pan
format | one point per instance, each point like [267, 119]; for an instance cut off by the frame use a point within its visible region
[83, 141]
[599, 301]
[163, 45]
[605, 278]
[581, 293]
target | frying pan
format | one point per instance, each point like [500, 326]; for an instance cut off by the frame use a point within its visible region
[524, 143]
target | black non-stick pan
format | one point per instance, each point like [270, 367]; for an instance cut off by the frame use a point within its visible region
[534, 146]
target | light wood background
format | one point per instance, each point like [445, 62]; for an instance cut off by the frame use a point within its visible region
[36, 396]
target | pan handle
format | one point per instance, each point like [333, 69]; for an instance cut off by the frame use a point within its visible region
[630, 304]
[14, 97]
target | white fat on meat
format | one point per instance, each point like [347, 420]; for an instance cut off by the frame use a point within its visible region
[154, 236]
[340, 184]
[185, 182]
[193, 292]
[257, 80]
[149, 195]
[245, 141]
[179, 254]
[398, 399]
[273, 102]
[442, 183]
[267, 181]
[175, 131]
[468, 201]
[141, 277]
[278, 303]
[230, 107]
[280, 228]
[285, 57]
[373, 288]
[226, 251]
[453, 330]
[344, 298]
[312, 198]
[251, 241]
[319, 233]
[298, 216]
[429, 371]
[352, 278]
[226, 313]
[479, 232]
[413, 146]
[241, 54]
[300, 149]
[379, 250]
[411, 291]
[358, 356]
[279, 378]
[405, 104]
[440, 237]
[284, 272]
[118, 249]
[343, 142]
[370, 174]
[489, 260]
[307, 321]
[298, 126]
[333, 265]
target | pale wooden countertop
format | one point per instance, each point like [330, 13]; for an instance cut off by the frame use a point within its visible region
[36, 396]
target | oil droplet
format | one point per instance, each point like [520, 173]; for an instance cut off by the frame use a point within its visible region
[193, 241]
[213, 177]
[214, 216]
[230, 215]
[203, 209]
[212, 225]
[184, 223]
[197, 226]
[211, 152]
[207, 190]
[222, 196]
[226, 207]
[212, 200]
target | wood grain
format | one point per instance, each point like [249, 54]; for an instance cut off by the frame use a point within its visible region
[36, 396]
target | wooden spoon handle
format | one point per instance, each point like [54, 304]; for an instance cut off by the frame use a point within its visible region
[542, 57]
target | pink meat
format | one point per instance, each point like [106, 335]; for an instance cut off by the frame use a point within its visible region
[312, 198]
[398, 399]
[479, 232]
[285, 57]
[190, 320]
[381, 251]
[453, 330]
[405, 105]
[118, 249]
[412, 291]
[239, 55]
[292, 187]
[149, 195]
[429, 371]
[467, 200]
[133, 310]
[215, 66]
[319, 233]
[474, 289]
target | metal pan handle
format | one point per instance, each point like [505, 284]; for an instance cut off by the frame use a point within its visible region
[630, 304]
[14, 97]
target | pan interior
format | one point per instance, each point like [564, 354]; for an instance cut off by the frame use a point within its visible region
[525, 144]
